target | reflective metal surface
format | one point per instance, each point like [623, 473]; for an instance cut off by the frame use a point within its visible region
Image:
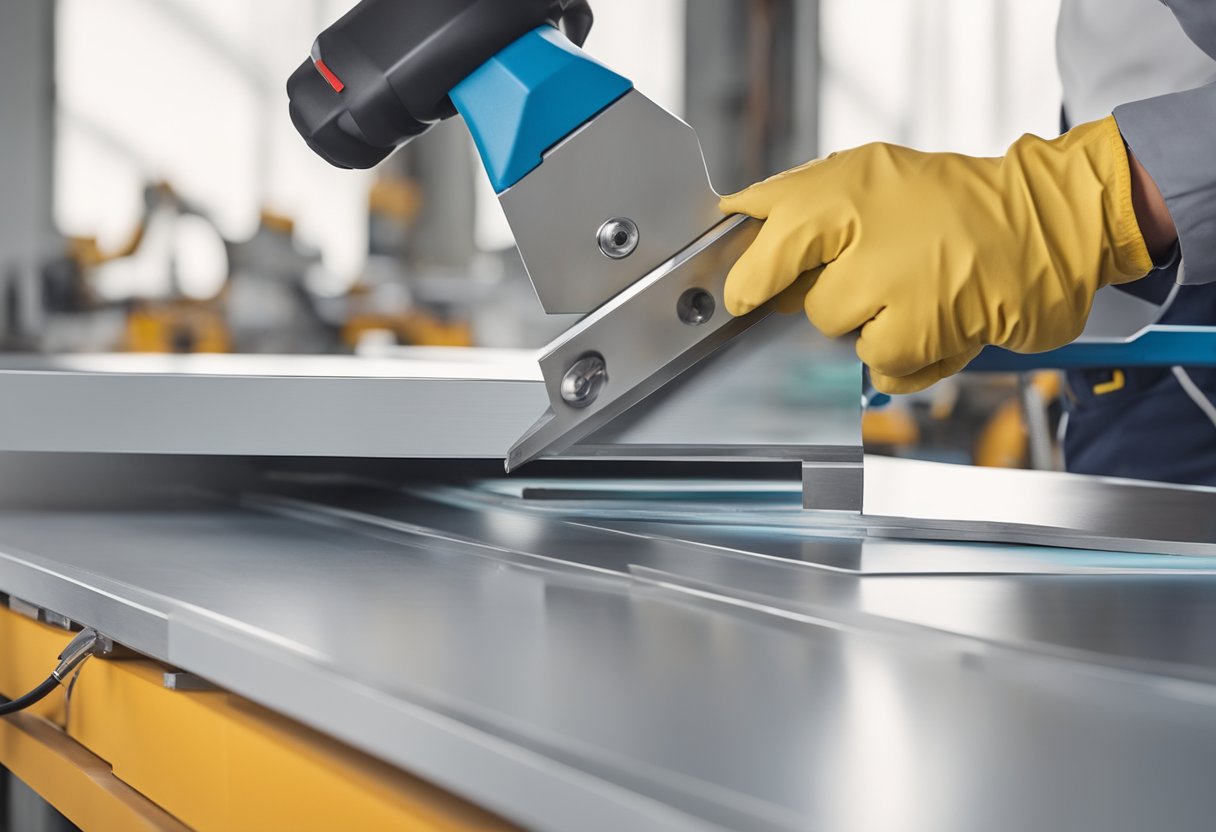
[963, 502]
[635, 160]
[277, 406]
[424, 404]
[667, 676]
[474, 405]
[918, 500]
[782, 384]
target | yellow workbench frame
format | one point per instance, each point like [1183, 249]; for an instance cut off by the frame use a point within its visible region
[125, 752]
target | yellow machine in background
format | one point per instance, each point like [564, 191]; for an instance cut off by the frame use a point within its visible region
[264, 304]
[177, 326]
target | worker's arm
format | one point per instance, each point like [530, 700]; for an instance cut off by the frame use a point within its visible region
[1152, 212]
[1173, 138]
[933, 256]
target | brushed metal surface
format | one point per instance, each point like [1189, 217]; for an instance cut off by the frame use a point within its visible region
[571, 676]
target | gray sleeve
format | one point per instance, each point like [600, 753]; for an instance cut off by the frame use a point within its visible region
[1198, 19]
[1174, 137]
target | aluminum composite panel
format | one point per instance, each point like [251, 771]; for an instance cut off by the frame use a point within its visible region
[257, 406]
[429, 403]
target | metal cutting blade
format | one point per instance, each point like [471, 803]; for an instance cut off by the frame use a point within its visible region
[639, 341]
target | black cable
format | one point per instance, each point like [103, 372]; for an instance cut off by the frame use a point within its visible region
[85, 644]
[11, 706]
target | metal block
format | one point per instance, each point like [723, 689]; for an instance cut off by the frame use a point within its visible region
[183, 681]
[39, 614]
[24, 608]
[833, 486]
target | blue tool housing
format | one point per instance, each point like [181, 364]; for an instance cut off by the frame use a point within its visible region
[529, 97]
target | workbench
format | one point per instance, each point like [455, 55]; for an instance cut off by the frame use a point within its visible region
[532, 653]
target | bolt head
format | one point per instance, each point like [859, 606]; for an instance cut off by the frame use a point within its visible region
[584, 381]
[618, 238]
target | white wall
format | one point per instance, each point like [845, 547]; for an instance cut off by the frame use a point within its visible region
[962, 75]
[193, 92]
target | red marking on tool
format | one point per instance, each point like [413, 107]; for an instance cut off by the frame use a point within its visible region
[328, 75]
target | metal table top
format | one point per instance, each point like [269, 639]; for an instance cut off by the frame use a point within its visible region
[572, 671]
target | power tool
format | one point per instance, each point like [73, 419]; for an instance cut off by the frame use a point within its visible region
[606, 192]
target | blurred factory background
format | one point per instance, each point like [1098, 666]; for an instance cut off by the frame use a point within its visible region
[158, 199]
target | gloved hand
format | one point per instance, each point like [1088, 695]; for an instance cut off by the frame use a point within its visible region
[933, 256]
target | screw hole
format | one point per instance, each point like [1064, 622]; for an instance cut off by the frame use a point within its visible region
[696, 307]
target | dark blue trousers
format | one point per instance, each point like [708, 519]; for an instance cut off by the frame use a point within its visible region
[1152, 426]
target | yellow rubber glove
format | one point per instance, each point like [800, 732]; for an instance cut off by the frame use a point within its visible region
[933, 256]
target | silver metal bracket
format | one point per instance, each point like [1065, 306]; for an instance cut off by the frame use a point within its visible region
[611, 203]
[39, 614]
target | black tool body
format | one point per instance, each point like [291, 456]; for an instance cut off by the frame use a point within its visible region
[381, 75]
